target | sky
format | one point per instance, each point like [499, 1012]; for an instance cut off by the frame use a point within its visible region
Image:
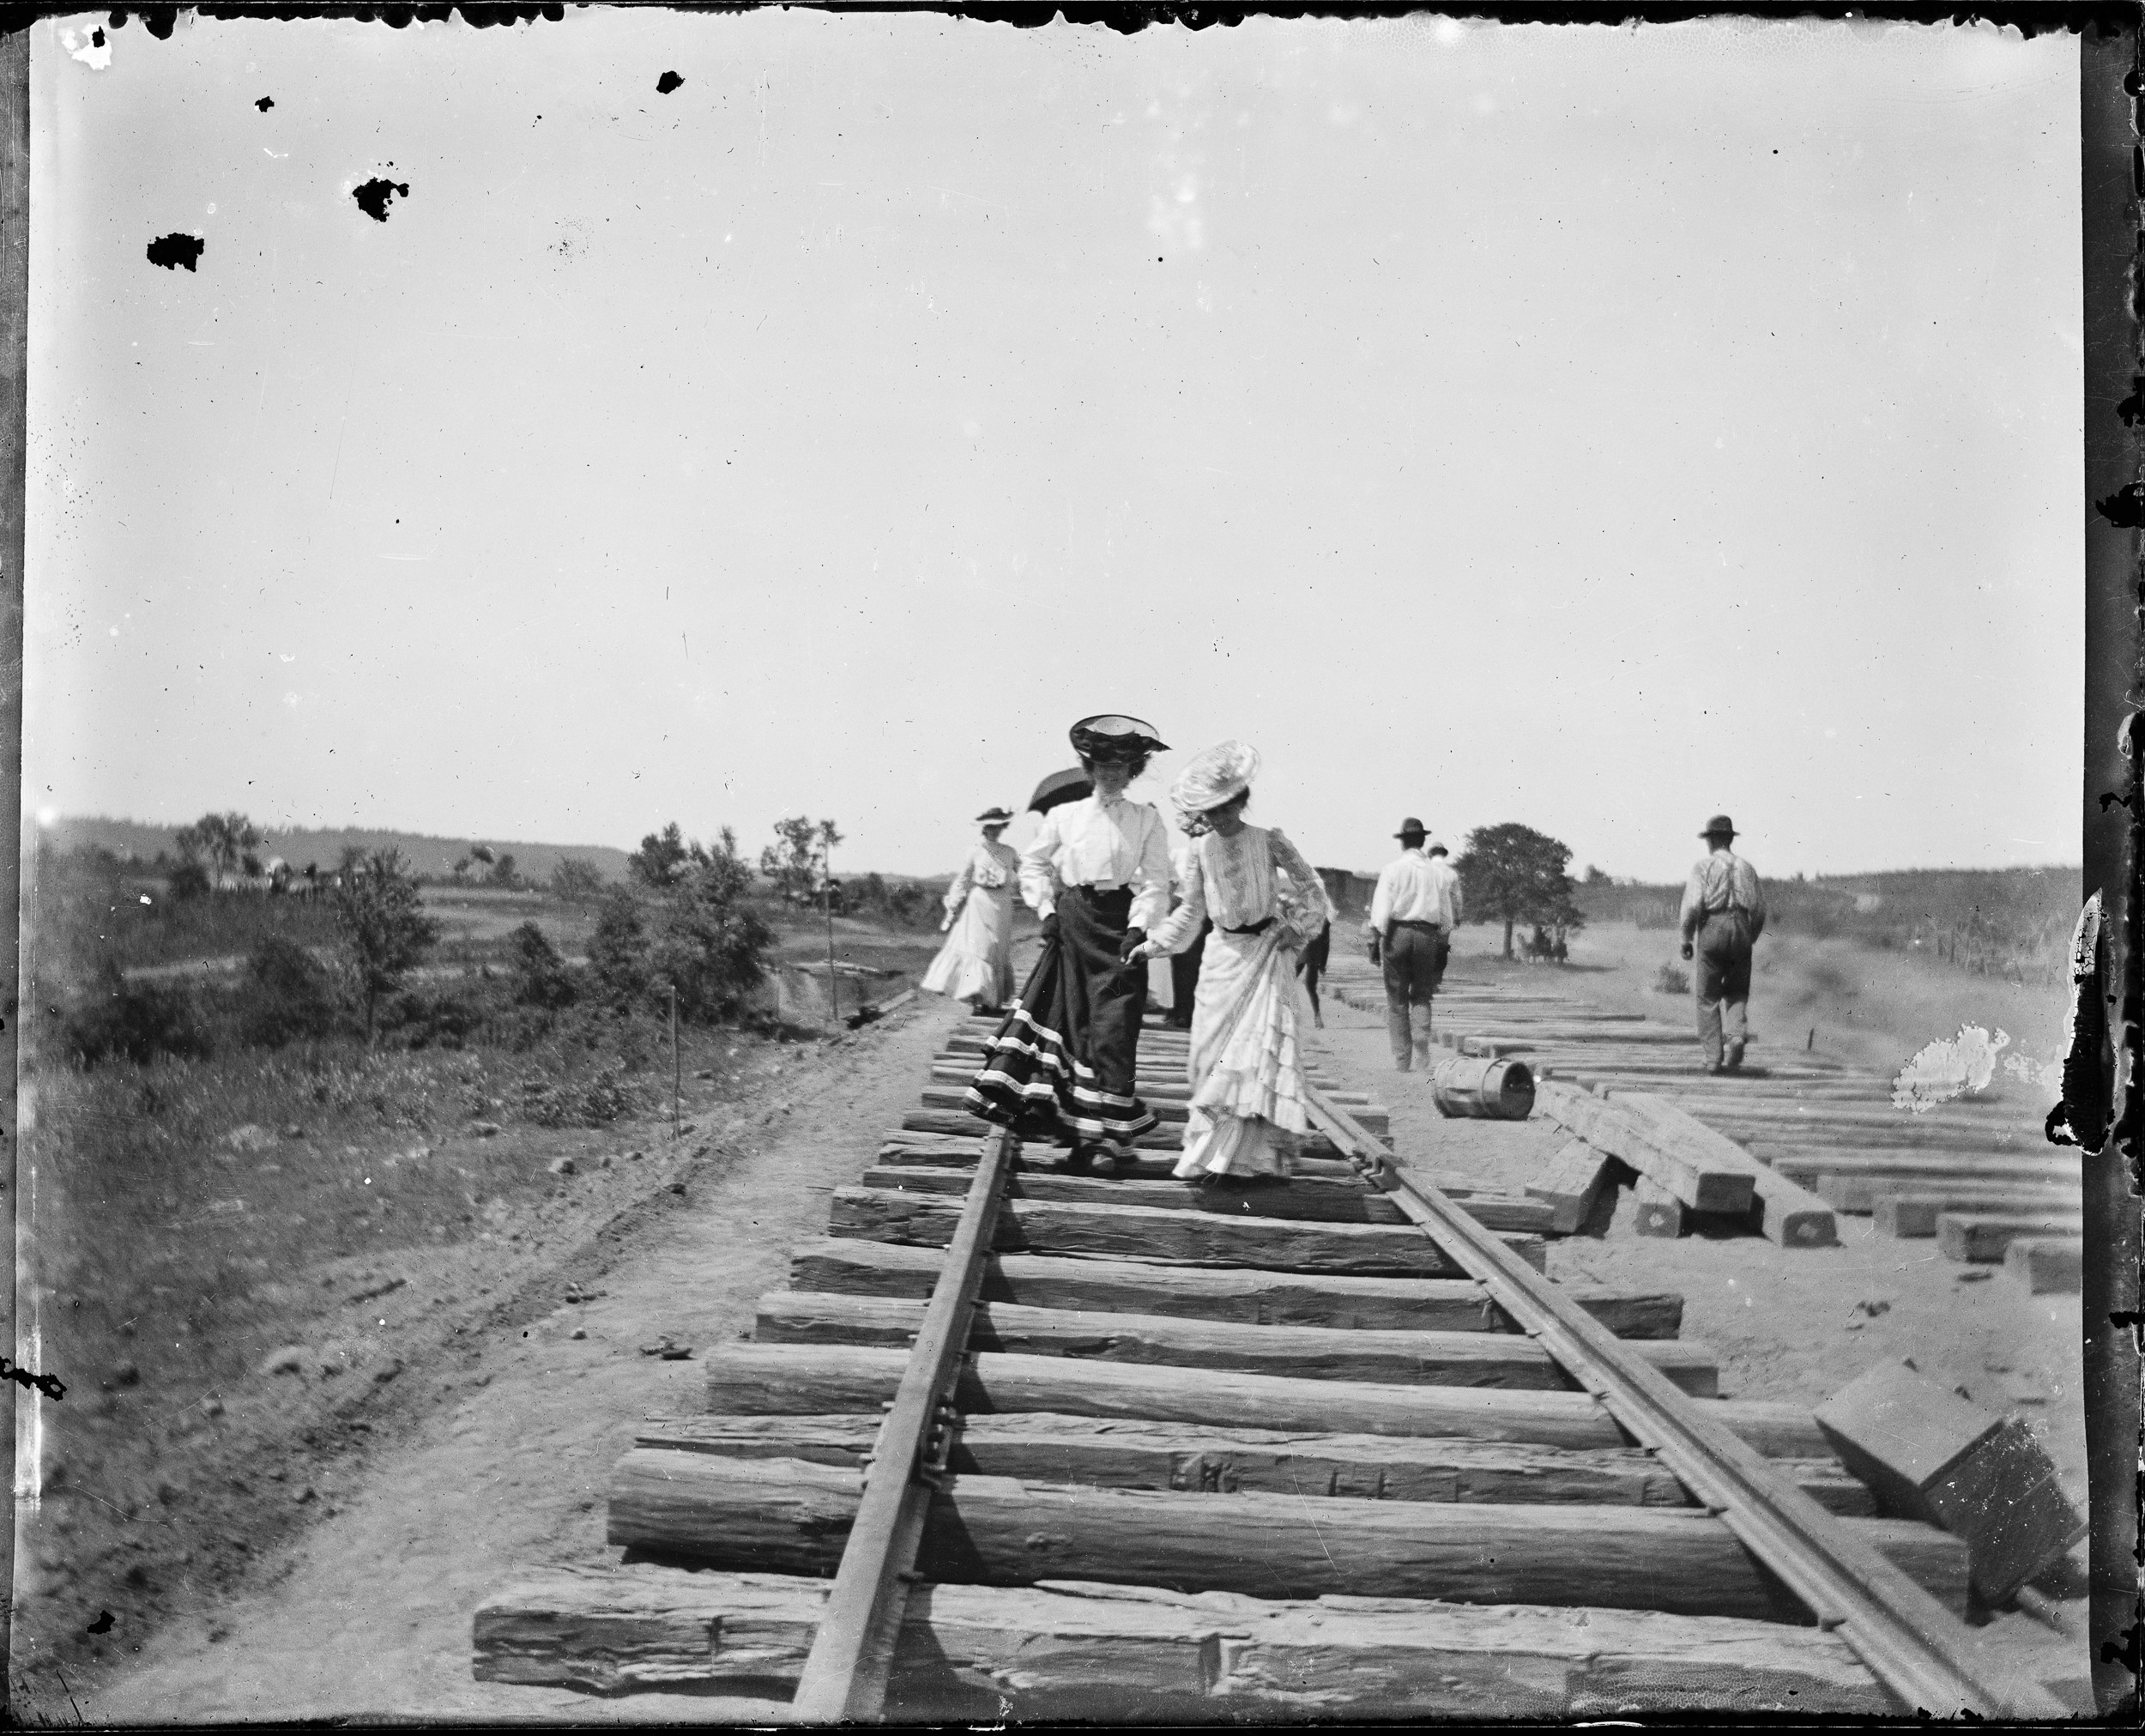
[1597, 428]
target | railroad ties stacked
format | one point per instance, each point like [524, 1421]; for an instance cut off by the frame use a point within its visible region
[1267, 1454]
[1808, 1135]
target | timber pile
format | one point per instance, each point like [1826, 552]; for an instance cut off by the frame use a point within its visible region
[1779, 1147]
[1267, 1453]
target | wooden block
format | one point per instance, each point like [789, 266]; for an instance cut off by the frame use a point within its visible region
[805, 1380]
[1148, 1232]
[790, 1516]
[1658, 1211]
[1982, 1236]
[2047, 1265]
[1246, 1294]
[1089, 1653]
[1914, 1214]
[1690, 1174]
[1302, 1352]
[1305, 1199]
[1573, 1185]
[1780, 1209]
[1930, 1454]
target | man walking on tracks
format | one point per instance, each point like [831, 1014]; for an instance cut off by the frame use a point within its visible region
[1412, 915]
[1723, 914]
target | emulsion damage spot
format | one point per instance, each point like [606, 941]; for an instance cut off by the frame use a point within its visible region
[668, 82]
[172, 251]
[265, 104]
[372, 198]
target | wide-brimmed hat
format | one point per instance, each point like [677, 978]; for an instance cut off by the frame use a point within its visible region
[1110, 735]
[1412, 827]
[1221, 774]
[994, 816]
[1719, 827]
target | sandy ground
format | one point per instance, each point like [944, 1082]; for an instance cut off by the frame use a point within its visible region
[369, 1613]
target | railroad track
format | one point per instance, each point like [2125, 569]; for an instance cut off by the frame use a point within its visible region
[1021, 1443]
[1815, 1136]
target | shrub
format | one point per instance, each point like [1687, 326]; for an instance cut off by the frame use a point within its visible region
[416, 1022]
[1668, 980]
[618, 950]
[384, 930]
[135, 1022]
[712, 940]
[575, 882]
[541, 976]
[286, 995]
[552, 1102]
[190, 879]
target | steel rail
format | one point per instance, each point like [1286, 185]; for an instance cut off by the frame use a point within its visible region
[1908, 1641]
[845, 1673]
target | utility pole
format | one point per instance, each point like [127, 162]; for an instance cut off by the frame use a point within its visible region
[827, 904]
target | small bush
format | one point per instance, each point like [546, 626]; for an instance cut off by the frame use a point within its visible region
[618, 951]
[135, 1022]
[414, 1021]
[287, 995]
[1668, 980]
[190, 879]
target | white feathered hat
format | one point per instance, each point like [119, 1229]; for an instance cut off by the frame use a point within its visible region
[1221, 774]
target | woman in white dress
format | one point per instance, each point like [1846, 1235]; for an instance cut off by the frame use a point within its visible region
[1250, 1011]
[976, 963]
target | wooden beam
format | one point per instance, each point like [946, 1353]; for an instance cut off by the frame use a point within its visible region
[1780, 1209]
[1203, 1459]
[1305, 1199]
[1658, 1211]
[1913, 1214]
[1575, 1184]
[1092, 1653]
[1852, 1181]
[1302, 1352]
[772, 1380]
[790, 1515]
[1694, 1174]
[1982, 1236]
[1244, 1294]
[1930, 1454]
[1149, 1232]
[2047, 1265]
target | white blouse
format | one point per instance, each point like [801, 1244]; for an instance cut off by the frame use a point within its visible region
[1099, 843]
[1241, 880]
[990, 868]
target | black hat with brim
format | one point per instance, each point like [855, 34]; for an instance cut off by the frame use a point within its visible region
[1412, 827]
[1719, 827]
[994, 816]
[1111, 735]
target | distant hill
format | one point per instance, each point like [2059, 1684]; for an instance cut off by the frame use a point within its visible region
[426, 856]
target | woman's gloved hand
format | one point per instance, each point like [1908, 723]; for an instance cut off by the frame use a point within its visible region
[1133, 940]
[1050, 926]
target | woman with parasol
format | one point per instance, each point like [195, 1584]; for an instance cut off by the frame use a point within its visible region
[1266, 903]
[1062, 1065]
[976, 963]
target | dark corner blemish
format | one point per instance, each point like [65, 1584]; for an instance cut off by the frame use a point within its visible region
[51, 1386]
[102, 1624]
[2124, 509]
[668, 82]
[173, 250]
[372, 198]
[265, 104]
[162, 21]
[2131, 410]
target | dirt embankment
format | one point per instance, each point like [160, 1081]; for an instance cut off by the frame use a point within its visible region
[489, 1449]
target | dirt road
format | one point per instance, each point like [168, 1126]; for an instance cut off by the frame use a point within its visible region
[369, 1614]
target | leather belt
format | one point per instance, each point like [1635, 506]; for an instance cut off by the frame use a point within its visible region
[1257, 928]
[1411, 922]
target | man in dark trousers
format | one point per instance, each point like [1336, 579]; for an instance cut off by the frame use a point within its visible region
[1184, 968]
[1412, 915]
[1723, 914]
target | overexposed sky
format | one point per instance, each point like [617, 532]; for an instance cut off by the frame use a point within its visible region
[1591, 427]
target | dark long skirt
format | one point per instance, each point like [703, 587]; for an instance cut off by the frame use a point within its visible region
[1061, 1067]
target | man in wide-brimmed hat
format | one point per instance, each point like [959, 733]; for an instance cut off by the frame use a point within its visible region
[1412, 915]
[1723, 914]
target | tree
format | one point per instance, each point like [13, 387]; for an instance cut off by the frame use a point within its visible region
[187, 880]
[223, 838]
[502, 873]
[1595, 877]
[797, 861]
[713, 938]
[287, 995]
[662, 858]
[1513, 874]
[618, 950]
[462, 869]
[541, 976]
[384, 930]
[575, 881]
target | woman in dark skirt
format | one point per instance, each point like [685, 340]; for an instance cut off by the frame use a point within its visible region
[1062, 1065]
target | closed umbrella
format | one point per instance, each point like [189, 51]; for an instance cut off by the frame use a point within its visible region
[1061, 786]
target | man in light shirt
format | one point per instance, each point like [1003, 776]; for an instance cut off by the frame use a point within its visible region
[1723, 914]
[1412, 915]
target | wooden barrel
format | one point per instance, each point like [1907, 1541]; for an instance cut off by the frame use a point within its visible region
[1491, 1088]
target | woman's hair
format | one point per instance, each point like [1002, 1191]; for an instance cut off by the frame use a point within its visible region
[1133, 766]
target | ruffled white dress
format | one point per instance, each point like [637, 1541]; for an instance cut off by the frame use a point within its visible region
[1250, 1011]
[977, 962]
